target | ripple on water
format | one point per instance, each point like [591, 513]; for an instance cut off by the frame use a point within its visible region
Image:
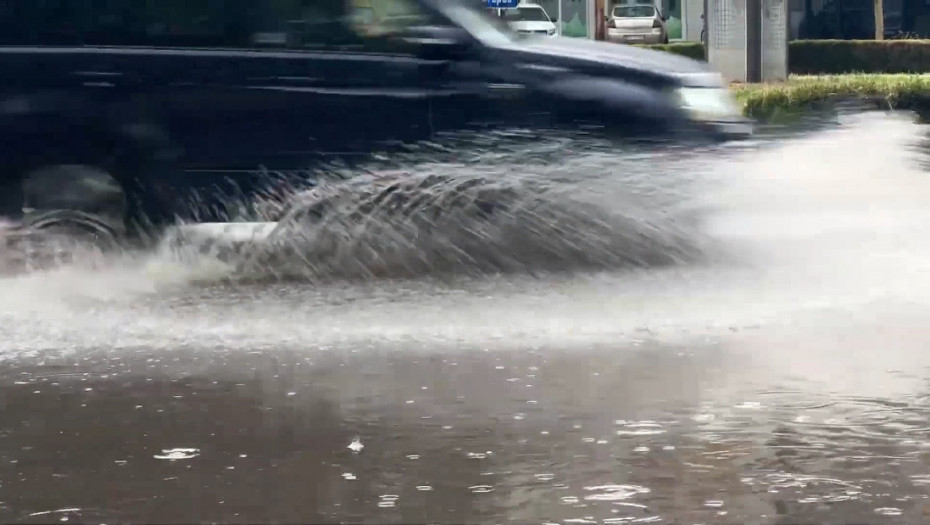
[615, 492]
[173, 454]
[640, 428]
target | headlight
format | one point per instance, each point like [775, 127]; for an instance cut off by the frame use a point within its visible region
[706, 103]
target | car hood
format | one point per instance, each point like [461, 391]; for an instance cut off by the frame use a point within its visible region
[600, 54]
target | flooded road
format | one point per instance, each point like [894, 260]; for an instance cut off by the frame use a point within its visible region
[781, 377]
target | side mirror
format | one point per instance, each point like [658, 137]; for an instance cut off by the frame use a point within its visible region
[437, 42]
[554, 20]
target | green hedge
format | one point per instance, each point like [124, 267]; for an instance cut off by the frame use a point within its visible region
[801, 91]
[858, 56]
[817, 57]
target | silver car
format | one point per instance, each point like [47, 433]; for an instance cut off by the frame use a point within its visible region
[637, 24]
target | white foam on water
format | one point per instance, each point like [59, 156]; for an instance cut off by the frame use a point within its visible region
[831, 222]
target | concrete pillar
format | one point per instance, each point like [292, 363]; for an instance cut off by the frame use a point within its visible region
[748, 39]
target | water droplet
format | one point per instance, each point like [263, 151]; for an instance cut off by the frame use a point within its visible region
[424, 488]
[601, 441]
[545, 477]
[519, 417]
[178, 453]
[291, 394]
[356, 445]
[413, 456]
[713, 503]
[641, 449]
[476, 455]
[348, 476]
[569, 500]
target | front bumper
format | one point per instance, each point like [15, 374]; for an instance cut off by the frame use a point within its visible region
[735, 129]
[551, 33]
[625, 37]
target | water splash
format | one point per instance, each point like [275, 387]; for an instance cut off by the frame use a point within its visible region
[415, 224]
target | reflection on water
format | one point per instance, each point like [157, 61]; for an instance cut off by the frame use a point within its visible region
[784, 382]
[639, 434]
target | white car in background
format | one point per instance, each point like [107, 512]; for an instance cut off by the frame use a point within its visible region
[637, 24]
[529, 18]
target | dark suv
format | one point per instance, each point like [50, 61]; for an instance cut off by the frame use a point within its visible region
[140, 113]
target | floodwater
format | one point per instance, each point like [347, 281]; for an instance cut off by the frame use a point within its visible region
[771, 369]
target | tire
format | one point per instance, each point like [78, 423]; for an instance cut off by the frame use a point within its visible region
[76, 206]
[77, 187]
[52, 238]
[75, 223]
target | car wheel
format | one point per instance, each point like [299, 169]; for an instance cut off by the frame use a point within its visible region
[69, 209]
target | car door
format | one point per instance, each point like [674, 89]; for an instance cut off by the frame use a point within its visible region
[250, 92]
[304, 85]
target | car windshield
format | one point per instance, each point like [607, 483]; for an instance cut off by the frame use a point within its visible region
[525, 14]
[480, 23]
[634, 11]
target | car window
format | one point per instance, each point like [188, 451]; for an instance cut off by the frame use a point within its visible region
[525, 14]
[383, 19]
[634, 11]
[279, 24]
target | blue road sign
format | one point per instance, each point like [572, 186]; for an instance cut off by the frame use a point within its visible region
[503, 4]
